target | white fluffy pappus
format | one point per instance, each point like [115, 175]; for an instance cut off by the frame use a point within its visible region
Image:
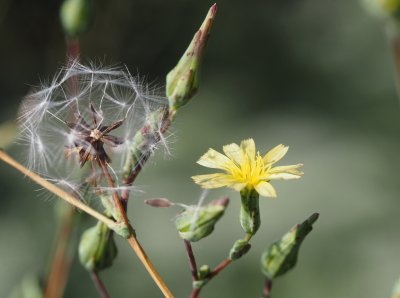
[86, 98]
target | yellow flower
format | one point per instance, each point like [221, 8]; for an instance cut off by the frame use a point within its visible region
[245, 168]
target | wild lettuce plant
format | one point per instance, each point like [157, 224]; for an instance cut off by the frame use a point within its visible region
[89, 132]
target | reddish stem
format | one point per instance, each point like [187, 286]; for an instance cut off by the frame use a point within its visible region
[192, 260]
[267, 288]
[101, 288]
[61, 261]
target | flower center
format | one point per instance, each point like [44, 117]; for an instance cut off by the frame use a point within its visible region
[96, 134]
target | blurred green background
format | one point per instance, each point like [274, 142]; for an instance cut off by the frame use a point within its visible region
[315, 75]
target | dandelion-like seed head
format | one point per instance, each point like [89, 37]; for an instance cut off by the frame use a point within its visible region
[244, 167]
[85, 115]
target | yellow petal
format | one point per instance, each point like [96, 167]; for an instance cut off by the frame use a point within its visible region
[249, 148]
[213, 180]
[285, 172]
[234, 152]
[265, 189]
[214, 159]
[275, 154]
[238, 186]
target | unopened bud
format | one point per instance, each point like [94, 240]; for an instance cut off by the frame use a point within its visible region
[97, 249]
[159, 203]
[250, 211]
[76, 16]
[239, 249]
[197, 222]
[282, 255]
[204, 271]
[183, 80]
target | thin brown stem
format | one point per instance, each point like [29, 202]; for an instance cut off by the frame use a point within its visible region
[116, 198]
[221, 266]
[192, 260]
[61, 260]
[267, 288]
[195, 293]
[134, 243]
[101, 288]
[56, 190]
[73, 48]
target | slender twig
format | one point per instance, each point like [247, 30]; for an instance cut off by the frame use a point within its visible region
[61, 261]
[56, 190]
[133, 242]
[101, 288]
[267, 288]
[192, 260]
[115, 196]
[221, 266]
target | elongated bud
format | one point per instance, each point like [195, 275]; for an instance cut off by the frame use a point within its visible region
[396, 290]
[159, 203]
[282, 255]
[250, 211]
[196, 222]
[183, 80]
[144, 141]
[76, 16]
[239, 249]
[97, 249]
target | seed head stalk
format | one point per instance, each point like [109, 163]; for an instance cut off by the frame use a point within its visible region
[132, 240]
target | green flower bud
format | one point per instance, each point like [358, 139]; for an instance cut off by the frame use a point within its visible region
[76, 16]
[183, 80]
[197, 222]
[396, 290]
[204, 271]
[144, 140]
[250, 211]
[97, 249]
[239, 249]
[281, 256]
